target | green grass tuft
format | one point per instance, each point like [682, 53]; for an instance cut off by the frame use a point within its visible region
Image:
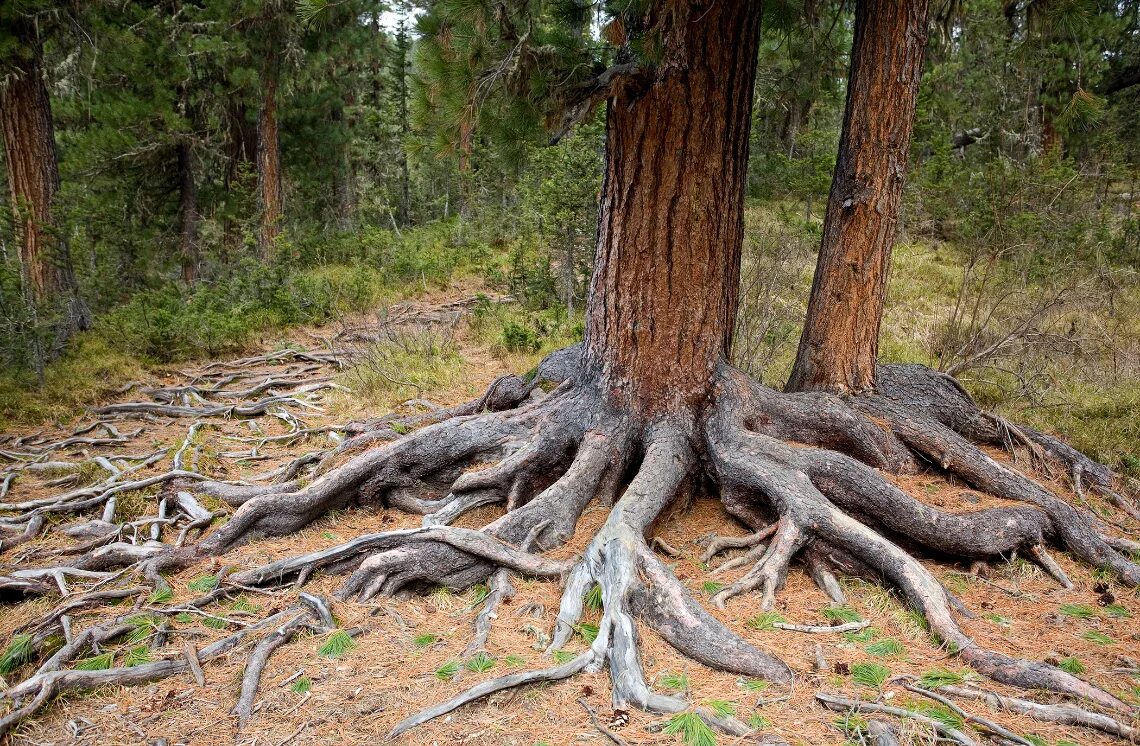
[137, 656]
[867, 634]
[203, 583]
[870, 675]
[885, 647]
[160, 596]
[514, 661]
[693, 730]
[564, 656]
[1071, 665]
[423, 641]
[447, 671]
[96, 663]
[1116, 611]
[712, 587]
[336, 645]
[722, 707]
[18, 652]
[753, 685]
[1078, 611]
[588, 631]
[766, 622]
[302, 685]
[1099, 638]
[941, 713]
[842, 614]
[593, 598]
[937, 677]
[756, 721]
[676, 681]
[480, 663]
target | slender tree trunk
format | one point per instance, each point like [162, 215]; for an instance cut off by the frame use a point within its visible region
[344, 178]
[241, 149]
[840, 341]
[33, 181]
[188, 215]
[269, 189]
[405, 129]
[663, 296]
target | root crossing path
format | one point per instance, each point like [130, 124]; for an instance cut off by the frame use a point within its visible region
[745, 566]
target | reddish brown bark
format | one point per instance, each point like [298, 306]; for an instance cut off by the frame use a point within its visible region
[269, 188]
[33, 175]
[663, 296]
[840, 342]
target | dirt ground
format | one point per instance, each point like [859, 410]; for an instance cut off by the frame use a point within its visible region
[356, 698]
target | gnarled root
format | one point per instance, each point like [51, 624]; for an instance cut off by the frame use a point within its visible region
[823, 501]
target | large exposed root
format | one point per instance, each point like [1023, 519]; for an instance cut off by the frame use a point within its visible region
[805, 472]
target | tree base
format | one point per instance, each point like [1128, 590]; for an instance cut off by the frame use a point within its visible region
[805, 472]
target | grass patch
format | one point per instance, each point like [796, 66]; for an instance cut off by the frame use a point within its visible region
[1071, 665]
[564, 656]
[841, 614]
[1078, 611]
[1099, 638]
[885, 647]
[336, 645]
[937, 677]
[766, 622]
[203, 583]
[712, 587]
[480, 663]
[867, 634]
[447, 671]
[756, 721]
[593, 599]
[941, 713]
[423, 641]
[96, 663]
[1116, 611]
[17, 653]
[588, 631]
[693, 730]
[676, 681]
[753, 685]
[160, 596]
[136, 656]
[301, 685]
[870, 675]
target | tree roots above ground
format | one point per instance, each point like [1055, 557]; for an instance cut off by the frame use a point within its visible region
[810, 475]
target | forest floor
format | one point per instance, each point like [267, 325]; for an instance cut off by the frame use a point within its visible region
[409, 652]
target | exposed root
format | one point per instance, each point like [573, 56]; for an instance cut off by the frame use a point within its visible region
[803, 472]
[843, 704]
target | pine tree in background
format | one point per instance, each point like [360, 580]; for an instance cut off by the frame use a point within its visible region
[33, 168]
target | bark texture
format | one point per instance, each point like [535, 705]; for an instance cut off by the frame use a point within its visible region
[269, 186]
[840, 343]
[663, 303]
[33, 177]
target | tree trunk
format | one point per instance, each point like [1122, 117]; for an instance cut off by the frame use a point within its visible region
[840, 341]
[663, 296]
[405, 129]
[187, 211]
[33, 180]
[269, 190]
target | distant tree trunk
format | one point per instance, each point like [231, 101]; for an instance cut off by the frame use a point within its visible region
[269, 188]
[33, 181]
[241, 149]
[405, 178]
[840, 342]
[188, 212]
[344, 187]
[663, 296]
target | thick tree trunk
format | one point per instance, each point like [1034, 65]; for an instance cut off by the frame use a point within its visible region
[840, 341]
[33, 180]
[663, 296]
[269, 189]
